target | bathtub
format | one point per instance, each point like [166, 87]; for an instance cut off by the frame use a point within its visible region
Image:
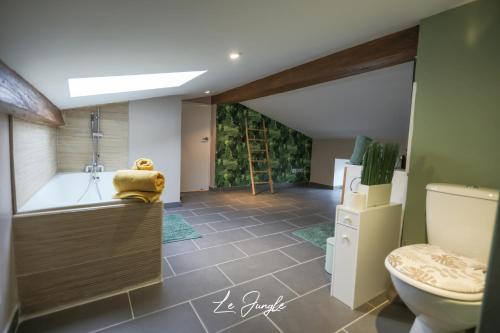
[69, 252]
[64, 190]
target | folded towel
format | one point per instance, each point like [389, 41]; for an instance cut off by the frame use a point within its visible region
[147, 197]
[138, 180]
[143, 164]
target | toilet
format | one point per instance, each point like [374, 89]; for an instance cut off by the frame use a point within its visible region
[442, 282]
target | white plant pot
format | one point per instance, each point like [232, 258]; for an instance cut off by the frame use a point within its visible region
[376, 195]
[354, 200]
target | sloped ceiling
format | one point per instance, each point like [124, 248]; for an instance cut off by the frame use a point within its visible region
[49, 41]
[375, 104]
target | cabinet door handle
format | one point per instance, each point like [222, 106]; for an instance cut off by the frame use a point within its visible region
[347, 220]
[345, 237]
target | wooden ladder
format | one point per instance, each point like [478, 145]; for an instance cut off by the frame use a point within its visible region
[251, 152]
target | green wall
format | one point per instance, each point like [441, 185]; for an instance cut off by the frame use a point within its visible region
[456, 135]
[289, 149]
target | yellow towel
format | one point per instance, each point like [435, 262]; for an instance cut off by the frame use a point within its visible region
[143, 164]
[147, 197]
[138, 180]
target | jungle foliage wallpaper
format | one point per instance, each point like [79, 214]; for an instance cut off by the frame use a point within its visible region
[288, 149]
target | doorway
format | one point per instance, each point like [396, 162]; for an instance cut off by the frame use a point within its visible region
[195, 147]
[338, 172]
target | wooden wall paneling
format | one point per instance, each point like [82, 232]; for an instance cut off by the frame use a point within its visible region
[70, 255]
[72, 284]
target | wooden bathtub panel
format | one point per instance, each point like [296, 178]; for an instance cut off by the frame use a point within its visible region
[63, 286]
[46, 241]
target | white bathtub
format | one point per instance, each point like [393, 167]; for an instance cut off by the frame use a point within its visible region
[64, 190]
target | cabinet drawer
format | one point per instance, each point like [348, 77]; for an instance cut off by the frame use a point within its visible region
[347, 218]
[344, 266]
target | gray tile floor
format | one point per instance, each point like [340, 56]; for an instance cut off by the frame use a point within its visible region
[248, 249]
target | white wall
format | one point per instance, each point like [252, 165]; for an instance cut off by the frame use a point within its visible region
[8, 296]
[155, 133]
[195, 153]
[338, 172]
[324, 153]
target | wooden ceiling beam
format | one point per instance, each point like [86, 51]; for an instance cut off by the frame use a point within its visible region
[390, 50]
[19, 98]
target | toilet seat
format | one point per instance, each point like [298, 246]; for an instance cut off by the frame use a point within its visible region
[439, 272]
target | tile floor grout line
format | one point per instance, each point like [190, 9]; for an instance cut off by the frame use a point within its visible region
[110, 326]
[252, 225]
[251, 233]
[198, 316]
[170, 265]
[247, 256]
[236, 246]
[239, 322]
[298, 262]
[362, 316]
[241, 240]
[297, 226]
[208, 225]
[268, 223]
[130, 304]
[225, 288]
[307, 293]
[286, 286]
[285, 234]
[230, 243]
[258, 221]
[196, 245]
[225, 275]
[190, 217]
[261, 223]
[274, 324]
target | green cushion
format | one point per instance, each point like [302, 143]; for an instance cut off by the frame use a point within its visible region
[359, 149]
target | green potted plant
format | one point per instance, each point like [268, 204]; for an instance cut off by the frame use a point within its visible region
[379, 162]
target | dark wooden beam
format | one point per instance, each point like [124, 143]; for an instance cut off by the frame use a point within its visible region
[199, 100]
[386, 51]
[22, 100]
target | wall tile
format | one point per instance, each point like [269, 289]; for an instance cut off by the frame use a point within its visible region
[74, 144]
[35, 158]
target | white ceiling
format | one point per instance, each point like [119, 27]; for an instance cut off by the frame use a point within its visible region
[49, 41]
[376, 104]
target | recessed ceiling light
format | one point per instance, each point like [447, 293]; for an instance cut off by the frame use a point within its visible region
[207, 92]
[116, 84]
[234, 55]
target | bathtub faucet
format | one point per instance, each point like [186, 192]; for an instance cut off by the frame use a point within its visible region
[94, 168]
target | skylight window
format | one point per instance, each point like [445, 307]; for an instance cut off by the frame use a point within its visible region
[116, 84]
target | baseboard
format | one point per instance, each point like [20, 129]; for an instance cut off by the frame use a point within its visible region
[259, 187]
[13, 322]
[70, 305]
[172, 204]
[322, 186]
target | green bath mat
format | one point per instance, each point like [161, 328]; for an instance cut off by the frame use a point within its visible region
[175, 228]
[317, 234]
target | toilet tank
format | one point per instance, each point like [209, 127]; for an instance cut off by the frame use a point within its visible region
[461, 218]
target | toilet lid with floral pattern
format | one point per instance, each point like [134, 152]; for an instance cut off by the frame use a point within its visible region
[432, 266]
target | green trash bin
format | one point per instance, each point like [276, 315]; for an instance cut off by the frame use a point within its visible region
[329, 254]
